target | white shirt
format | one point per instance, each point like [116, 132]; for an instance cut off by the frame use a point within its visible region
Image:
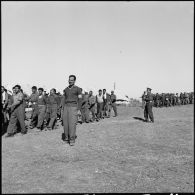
[100, 98]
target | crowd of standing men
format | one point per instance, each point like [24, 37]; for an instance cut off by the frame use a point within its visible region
[72, 107]
[171, 99]
[163, 100]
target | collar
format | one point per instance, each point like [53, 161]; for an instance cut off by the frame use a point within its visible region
[71, 87]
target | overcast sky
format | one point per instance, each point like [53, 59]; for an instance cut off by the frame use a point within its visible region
[135, 44]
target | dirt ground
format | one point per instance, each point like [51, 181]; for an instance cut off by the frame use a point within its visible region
[122, 154]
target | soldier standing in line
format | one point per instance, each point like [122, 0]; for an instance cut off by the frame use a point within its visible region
[100, 102]
[106, 99]
[157, 100]
[167, 102]
[17, 113]
[113, 104]
[41, 109]
[173, 99]
[33, 99]
[181, 99]
[46, 117]
[24, 102]
[163, 97]
[148, 107]
[72, 107]
[52, 103]
[186, 98]
[92, 103]
[85, 108]
[176, 99]
[191, 98]
[59, 98]
[170, 99]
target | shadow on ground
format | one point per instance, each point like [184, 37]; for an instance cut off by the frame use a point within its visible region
[138, 118]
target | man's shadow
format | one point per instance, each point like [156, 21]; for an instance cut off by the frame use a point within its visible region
[138, 118]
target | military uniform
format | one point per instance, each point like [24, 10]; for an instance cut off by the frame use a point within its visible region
[17, 114]
[52, 103]
[157, 100]
[106, 104]
[46, 118]
[92, 103]
[163, 100]
[85, 108]
[113, 104]
[148, 107]
[181, 98]
[59, 98]
[34, 117]
[41, 111]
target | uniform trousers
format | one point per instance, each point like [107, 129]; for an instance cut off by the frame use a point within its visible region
[34, 116]
[17, 116]
[85, 114]
[70, 117]
[53, 108]
[148, 111]
[92, 110]
[112, 106]
[41, 115]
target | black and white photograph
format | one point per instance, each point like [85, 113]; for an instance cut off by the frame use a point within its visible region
[97, 97]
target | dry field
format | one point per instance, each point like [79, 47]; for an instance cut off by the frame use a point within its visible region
[122, 154]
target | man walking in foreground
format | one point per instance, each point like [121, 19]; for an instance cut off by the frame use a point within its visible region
[72, 107]
[148, 107]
